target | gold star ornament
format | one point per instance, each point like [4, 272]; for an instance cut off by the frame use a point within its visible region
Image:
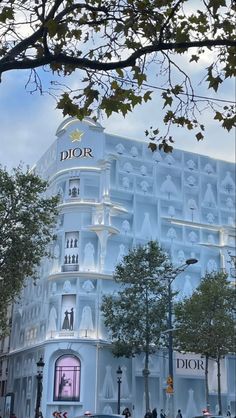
[76, 135]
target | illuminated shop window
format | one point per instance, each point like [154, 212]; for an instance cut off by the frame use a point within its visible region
[67, 379]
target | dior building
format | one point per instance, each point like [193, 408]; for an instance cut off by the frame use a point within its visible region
[115, 194]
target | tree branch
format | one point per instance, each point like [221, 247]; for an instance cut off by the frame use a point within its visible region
[31, 40]
[84, 63]
[174, 9]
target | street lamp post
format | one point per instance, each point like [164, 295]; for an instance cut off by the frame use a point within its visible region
[119, 374]
[170, 379]
[39, 377]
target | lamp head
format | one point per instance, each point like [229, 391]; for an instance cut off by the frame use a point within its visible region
[40, 365]
[119, 371]
[191, 261]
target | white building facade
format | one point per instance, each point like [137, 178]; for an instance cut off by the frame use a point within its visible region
[115, 194]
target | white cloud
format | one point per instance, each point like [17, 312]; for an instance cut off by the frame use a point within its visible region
[28, 123]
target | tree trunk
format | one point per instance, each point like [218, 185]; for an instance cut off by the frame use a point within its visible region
[146, 381]
[206, 383]
[219, 385]
[146, 369]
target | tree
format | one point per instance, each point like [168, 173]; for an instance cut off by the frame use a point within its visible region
[136, 314]
[205, 323]
[113, 45]
[26, 222]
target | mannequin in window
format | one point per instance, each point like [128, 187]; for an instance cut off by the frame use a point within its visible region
[66, 324]
[71, 313]
[74, 192]
[62, 384]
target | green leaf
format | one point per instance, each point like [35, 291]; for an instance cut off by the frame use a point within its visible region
[199, 136]
[181, 35]
[147, 96]
[120, 72]
[216, 4]
[67, 105]
[114, 85]
[152, 146]
[214, 82]
[52, 27]
[167, 99]
[218, 116]
[194, 58]
[6, 13]
[177, 89]
[229, 123]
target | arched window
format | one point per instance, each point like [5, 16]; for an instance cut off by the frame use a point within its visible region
[67, 379]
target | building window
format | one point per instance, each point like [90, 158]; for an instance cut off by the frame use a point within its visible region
[67, 379]
[71, 252]
[74, 188]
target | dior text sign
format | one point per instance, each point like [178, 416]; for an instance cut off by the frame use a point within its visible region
[189, 363]
[76, 153]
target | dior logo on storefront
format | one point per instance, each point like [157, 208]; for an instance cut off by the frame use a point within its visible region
[189, 364]
[76, 153]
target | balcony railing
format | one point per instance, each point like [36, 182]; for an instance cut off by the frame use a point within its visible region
[69, 267]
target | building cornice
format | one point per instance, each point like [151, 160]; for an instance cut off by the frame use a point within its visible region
[82, 275]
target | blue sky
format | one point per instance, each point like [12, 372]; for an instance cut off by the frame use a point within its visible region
[29, 122]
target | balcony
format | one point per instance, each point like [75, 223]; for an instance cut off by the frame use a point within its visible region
[69, 267]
